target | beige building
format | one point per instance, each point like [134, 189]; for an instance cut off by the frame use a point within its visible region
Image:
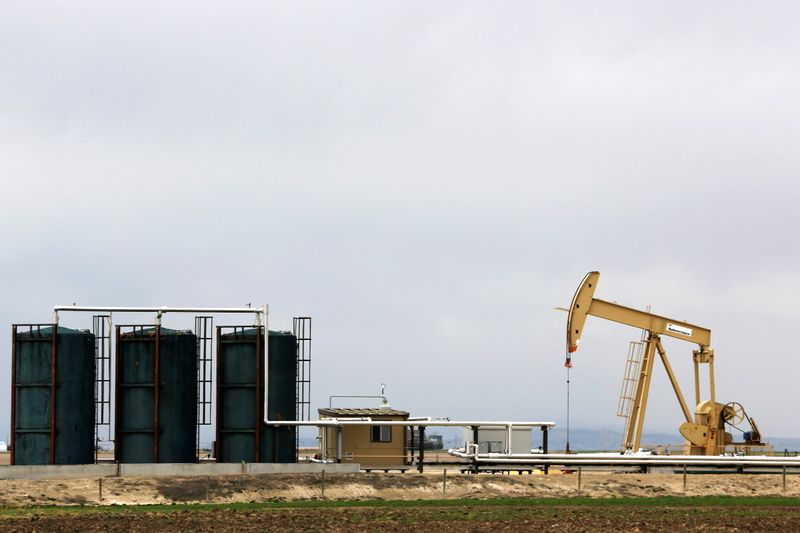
[369, 446]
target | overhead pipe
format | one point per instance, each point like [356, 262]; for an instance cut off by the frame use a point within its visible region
[262, 319]
[639, 461]
[366, 421]
[159, 310]
[265, 319]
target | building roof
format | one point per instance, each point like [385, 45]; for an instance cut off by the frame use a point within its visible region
[357, 412]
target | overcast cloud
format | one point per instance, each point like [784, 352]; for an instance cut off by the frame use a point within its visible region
[426, 179]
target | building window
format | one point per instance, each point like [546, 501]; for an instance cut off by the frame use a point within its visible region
[381, 434]
[496, 446]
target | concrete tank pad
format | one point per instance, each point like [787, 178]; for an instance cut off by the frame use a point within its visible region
[168, 470]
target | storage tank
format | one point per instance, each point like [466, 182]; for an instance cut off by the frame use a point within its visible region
[147, 356]
[52, 416]
[241, 432]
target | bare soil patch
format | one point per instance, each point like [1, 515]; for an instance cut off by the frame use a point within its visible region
[292, 487]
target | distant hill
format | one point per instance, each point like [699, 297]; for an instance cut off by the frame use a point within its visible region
[780, 444]
[582, 439]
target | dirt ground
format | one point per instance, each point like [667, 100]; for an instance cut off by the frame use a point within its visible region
[381, 486]
[473, 512]
[580, 518]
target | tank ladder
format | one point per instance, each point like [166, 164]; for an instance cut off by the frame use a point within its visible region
[204, 330]
[629, 381]
[302, 331]
[101, 327]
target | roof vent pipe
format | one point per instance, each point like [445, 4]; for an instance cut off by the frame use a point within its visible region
[384, 402]
[265, 319]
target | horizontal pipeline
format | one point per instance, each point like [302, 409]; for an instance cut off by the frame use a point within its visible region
[161, 309]
[632, 460]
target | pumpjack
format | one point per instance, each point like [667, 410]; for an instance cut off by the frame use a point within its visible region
[705, 432]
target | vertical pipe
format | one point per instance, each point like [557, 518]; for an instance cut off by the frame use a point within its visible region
[324, 442]
[156, 386]
[265, 319]
[111, 367]
[544, 446]
[411, 448]
[415, 444]
[477, 449]
[338, 444]
[260, 392]
[218, 431]
[420, 466]
[53, 378]
[117, 439]
[275, 441]
[13, 391]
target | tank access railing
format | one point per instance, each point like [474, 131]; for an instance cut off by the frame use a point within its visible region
[262, 319]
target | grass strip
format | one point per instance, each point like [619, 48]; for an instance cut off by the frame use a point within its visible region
[655, 501]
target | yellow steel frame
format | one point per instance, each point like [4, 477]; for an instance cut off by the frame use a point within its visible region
[585, 304]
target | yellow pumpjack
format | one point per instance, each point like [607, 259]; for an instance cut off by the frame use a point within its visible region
[705, 432]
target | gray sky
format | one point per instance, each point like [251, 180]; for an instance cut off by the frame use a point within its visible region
[427, 180]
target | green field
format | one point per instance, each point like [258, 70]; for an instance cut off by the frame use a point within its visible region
[566, 514]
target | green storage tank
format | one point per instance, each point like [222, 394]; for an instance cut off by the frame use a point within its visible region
[156, 396]
[241, 432]
[52, 395]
